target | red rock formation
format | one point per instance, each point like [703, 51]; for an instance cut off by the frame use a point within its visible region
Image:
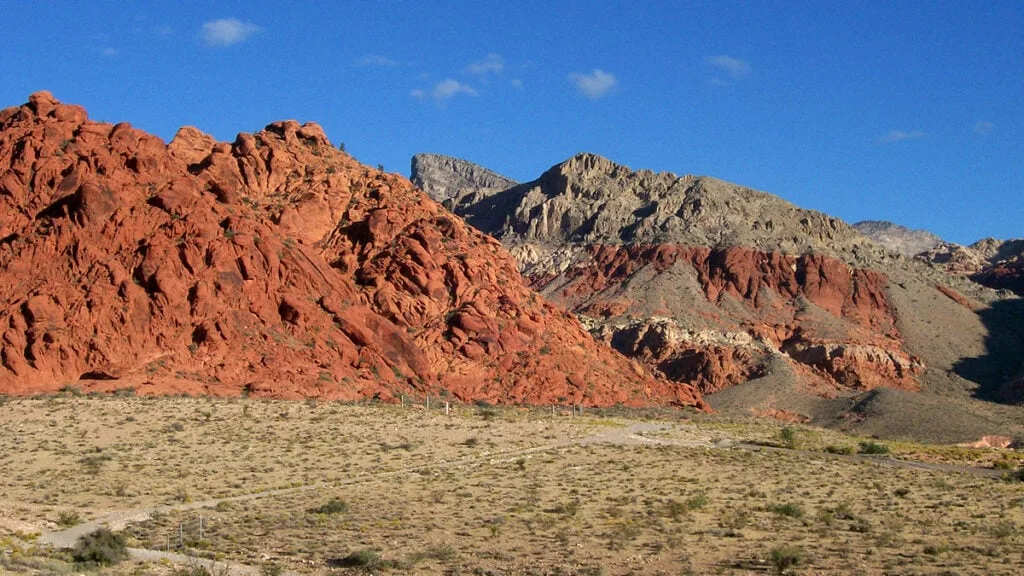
[1007, 275]
[861, 348]
[275, 265]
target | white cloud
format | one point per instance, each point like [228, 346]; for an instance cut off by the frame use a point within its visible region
[376, 60]
[226, 32]
[493, 63]
[593, 85]
[734, 67]
[445, 89]
[517, 84]
[901, 136]
[983, 128]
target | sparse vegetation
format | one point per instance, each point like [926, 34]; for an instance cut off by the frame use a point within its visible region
[102, 548]
[785, 557]
[333, 506]
[874, 448]
[668, 494]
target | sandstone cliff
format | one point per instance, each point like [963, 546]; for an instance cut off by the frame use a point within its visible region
[273, 265]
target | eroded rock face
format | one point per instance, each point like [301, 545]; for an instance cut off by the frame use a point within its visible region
[898, 238]
[651, 259]
[993, 263]
[449, 180]
[814, 309]
[274, 265]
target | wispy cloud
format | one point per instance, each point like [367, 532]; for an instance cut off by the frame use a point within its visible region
[109, 52]
[517, 83]
[983, 128]
[902, 136]
[732, 67]
[376, 60]
[444, 90]
[593, 85]
[492, 64]
[226, 32]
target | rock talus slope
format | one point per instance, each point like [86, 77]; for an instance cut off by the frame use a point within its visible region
[274, 265]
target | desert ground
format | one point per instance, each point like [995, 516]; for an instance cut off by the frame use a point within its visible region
[331, 488]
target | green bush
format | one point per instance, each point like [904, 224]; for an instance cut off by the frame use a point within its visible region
[333, 506]
[790, 510]
[788, 437]
[873, 448]
[68, 518]
[832, 449]
[785, 557]
[360, 559]
[101, 547]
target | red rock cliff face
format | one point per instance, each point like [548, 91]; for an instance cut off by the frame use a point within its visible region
[850, 342]
[274, 265]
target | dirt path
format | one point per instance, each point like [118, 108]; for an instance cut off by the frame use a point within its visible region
[633, 435]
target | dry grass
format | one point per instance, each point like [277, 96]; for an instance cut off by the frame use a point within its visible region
[413, 494]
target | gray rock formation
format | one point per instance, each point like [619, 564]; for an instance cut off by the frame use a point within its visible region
[450, 180]
[623, 250]
[898, 238]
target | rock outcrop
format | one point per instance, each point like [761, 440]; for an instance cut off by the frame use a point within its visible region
[992, 263]
[715, 284]
[898, 238]
[274, 265]
[450, 180]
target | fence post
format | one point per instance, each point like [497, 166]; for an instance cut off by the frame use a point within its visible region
[445, 407]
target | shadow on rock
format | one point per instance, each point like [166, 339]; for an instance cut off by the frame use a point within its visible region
[1000, 372]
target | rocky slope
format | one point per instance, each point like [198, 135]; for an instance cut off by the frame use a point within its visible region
[450, 180]
[274, 265]
[898, 238]
[715, 284]
[989, 262]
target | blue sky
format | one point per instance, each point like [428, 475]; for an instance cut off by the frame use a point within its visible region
[905, 111]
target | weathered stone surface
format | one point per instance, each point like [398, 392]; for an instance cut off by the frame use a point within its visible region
[449, 180]
[898, 238]
[275, 265]
[630, 249]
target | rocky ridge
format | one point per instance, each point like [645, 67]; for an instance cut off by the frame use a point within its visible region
[898, 238]
[993, 263]
[450, 179]
[715, 284]
[274, 265]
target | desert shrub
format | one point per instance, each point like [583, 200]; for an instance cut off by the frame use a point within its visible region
[789, 509]
[360, 559]
[873, 448]
[333, 506]
[784, 557]
[788, 437]
[471, 441]
[832, 449]
[68, 518]
[271, 569]
[101, 547]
